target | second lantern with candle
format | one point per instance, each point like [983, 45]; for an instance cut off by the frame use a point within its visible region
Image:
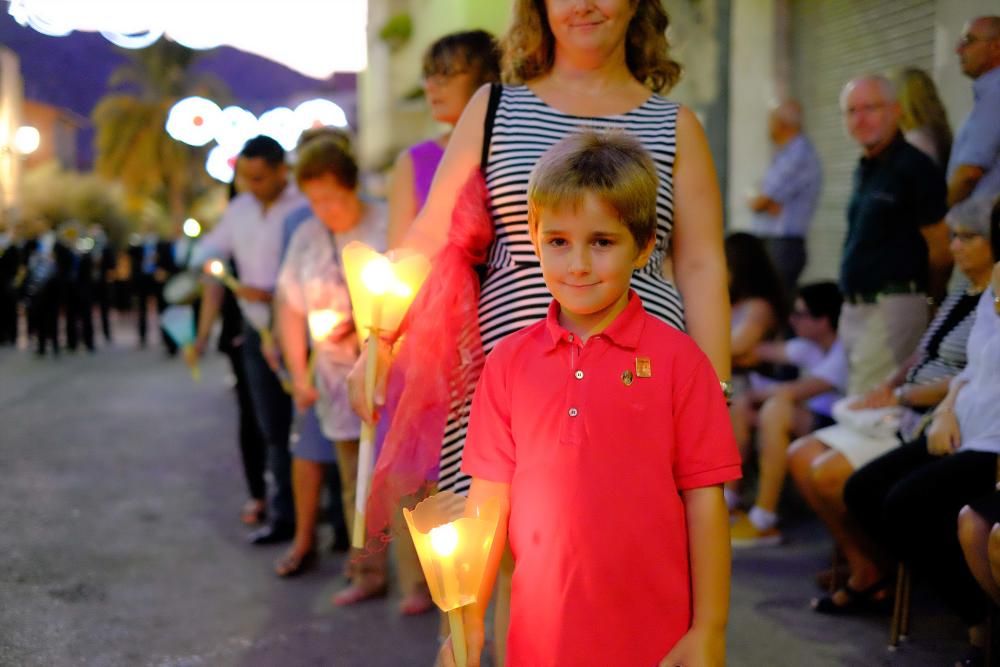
[381, 289]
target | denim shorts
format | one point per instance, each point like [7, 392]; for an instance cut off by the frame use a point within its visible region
[308, 441]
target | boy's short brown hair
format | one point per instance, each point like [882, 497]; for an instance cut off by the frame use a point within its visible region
[612, 166]
[326, 155]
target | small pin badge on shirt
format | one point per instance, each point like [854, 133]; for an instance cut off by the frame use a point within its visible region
[643, 367]
[627, 378]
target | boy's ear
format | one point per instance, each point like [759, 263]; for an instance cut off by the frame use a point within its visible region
[644, 253]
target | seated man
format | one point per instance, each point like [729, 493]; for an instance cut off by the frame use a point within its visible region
[783, 410]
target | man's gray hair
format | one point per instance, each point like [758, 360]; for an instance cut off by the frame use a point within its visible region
[884, 83]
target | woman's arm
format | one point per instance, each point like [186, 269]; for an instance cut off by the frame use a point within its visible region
[698, 260]
[752, 329]
[402, 199]
[429, 231]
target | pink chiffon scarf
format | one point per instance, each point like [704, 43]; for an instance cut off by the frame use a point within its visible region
[438, 360]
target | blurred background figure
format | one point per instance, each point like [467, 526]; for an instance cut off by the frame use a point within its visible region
[760, 307]
[788, 195]
[923, 118]
[454, 67]
[10, 265]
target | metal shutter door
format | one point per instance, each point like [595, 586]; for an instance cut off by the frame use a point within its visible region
[833, 41]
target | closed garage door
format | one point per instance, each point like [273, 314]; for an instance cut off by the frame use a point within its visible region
[833, 41]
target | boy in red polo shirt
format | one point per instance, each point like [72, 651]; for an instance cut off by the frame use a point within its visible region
[605, 434]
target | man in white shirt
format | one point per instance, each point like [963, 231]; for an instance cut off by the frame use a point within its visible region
[250, 233]
[783, 410]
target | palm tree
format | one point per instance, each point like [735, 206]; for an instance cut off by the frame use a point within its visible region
[132, 144]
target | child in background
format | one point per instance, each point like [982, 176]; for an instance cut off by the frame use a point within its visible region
[605, 435]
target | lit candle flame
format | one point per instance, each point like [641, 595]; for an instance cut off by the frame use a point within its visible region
[444, 539]
[322, 323]
[380, 278]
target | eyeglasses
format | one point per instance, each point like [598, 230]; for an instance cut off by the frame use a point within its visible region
[965, 237]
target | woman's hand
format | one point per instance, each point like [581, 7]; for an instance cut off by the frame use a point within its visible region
[303, 393]
[943, 435]
[698, 648]
[356, 383]
[879, 397]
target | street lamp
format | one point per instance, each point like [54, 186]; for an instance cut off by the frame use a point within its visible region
[26, 140]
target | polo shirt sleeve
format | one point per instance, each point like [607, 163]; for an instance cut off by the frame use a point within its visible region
[833, 368]
[981, 134]
[705, 449]
[928, 193]
[803, 353]
[490, 453]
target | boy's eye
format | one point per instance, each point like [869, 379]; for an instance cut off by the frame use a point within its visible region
[603, 243]
[557, 242]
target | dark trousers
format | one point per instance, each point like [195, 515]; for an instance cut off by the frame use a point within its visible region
[78, 306]
[102, 293]
[44, 313]
[8, 314]
[908, 501]
[788, 254]
[273, 409]
[253, 448]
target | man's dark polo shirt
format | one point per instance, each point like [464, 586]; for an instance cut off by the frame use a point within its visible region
[895, 193]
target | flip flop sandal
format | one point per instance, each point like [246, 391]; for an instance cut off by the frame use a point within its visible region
[858, 602]
[355, 593]
[253, 513]
[293, 564]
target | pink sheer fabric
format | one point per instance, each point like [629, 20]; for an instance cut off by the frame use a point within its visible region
[442, 339]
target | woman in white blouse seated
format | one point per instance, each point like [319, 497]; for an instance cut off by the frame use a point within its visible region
[908, 500]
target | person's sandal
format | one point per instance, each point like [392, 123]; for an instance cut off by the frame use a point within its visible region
[356, 593]
[865, 601]
[293, 564]
[415, 604]
[254, 512]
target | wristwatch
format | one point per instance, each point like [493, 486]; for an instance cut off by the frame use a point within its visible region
[727, 390]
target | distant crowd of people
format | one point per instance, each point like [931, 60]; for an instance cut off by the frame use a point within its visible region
[53, 283]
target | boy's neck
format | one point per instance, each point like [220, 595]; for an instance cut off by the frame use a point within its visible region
[590, 324]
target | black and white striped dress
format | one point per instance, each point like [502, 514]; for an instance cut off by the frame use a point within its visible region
[513, 293]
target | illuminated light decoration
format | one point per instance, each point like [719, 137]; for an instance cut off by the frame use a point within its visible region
[332, 38]
[26, 140]
[192, 120]
[137, 40]
[282, 125]
[196, 121]
[320, 113]
[192, 228]
[233, 126]
[221, 163]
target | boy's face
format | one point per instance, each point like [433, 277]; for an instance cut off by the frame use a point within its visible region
[587, 258]
[804, 324]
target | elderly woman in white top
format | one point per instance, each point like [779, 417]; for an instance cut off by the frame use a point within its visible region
[908, 500]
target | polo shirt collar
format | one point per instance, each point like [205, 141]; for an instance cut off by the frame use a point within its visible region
[625, 331]
[891, 148]
[985, 81]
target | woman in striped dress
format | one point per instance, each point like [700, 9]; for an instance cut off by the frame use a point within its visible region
[574, 65]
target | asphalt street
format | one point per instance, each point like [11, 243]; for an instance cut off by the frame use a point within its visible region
[120, 544]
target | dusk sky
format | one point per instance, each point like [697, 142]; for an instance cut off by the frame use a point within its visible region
[72, 72]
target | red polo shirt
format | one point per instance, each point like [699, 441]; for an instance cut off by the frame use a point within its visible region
[595, 461]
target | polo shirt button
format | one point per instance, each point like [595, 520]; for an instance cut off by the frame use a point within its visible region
[570, 337]
[579, 375]
[573, 412]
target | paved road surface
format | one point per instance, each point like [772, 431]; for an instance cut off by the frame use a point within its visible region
[120, 545]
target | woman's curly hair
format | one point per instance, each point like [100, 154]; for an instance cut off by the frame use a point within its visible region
[529, 46]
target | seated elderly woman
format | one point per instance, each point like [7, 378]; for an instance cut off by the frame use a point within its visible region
[821, 463]
[907, 501]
